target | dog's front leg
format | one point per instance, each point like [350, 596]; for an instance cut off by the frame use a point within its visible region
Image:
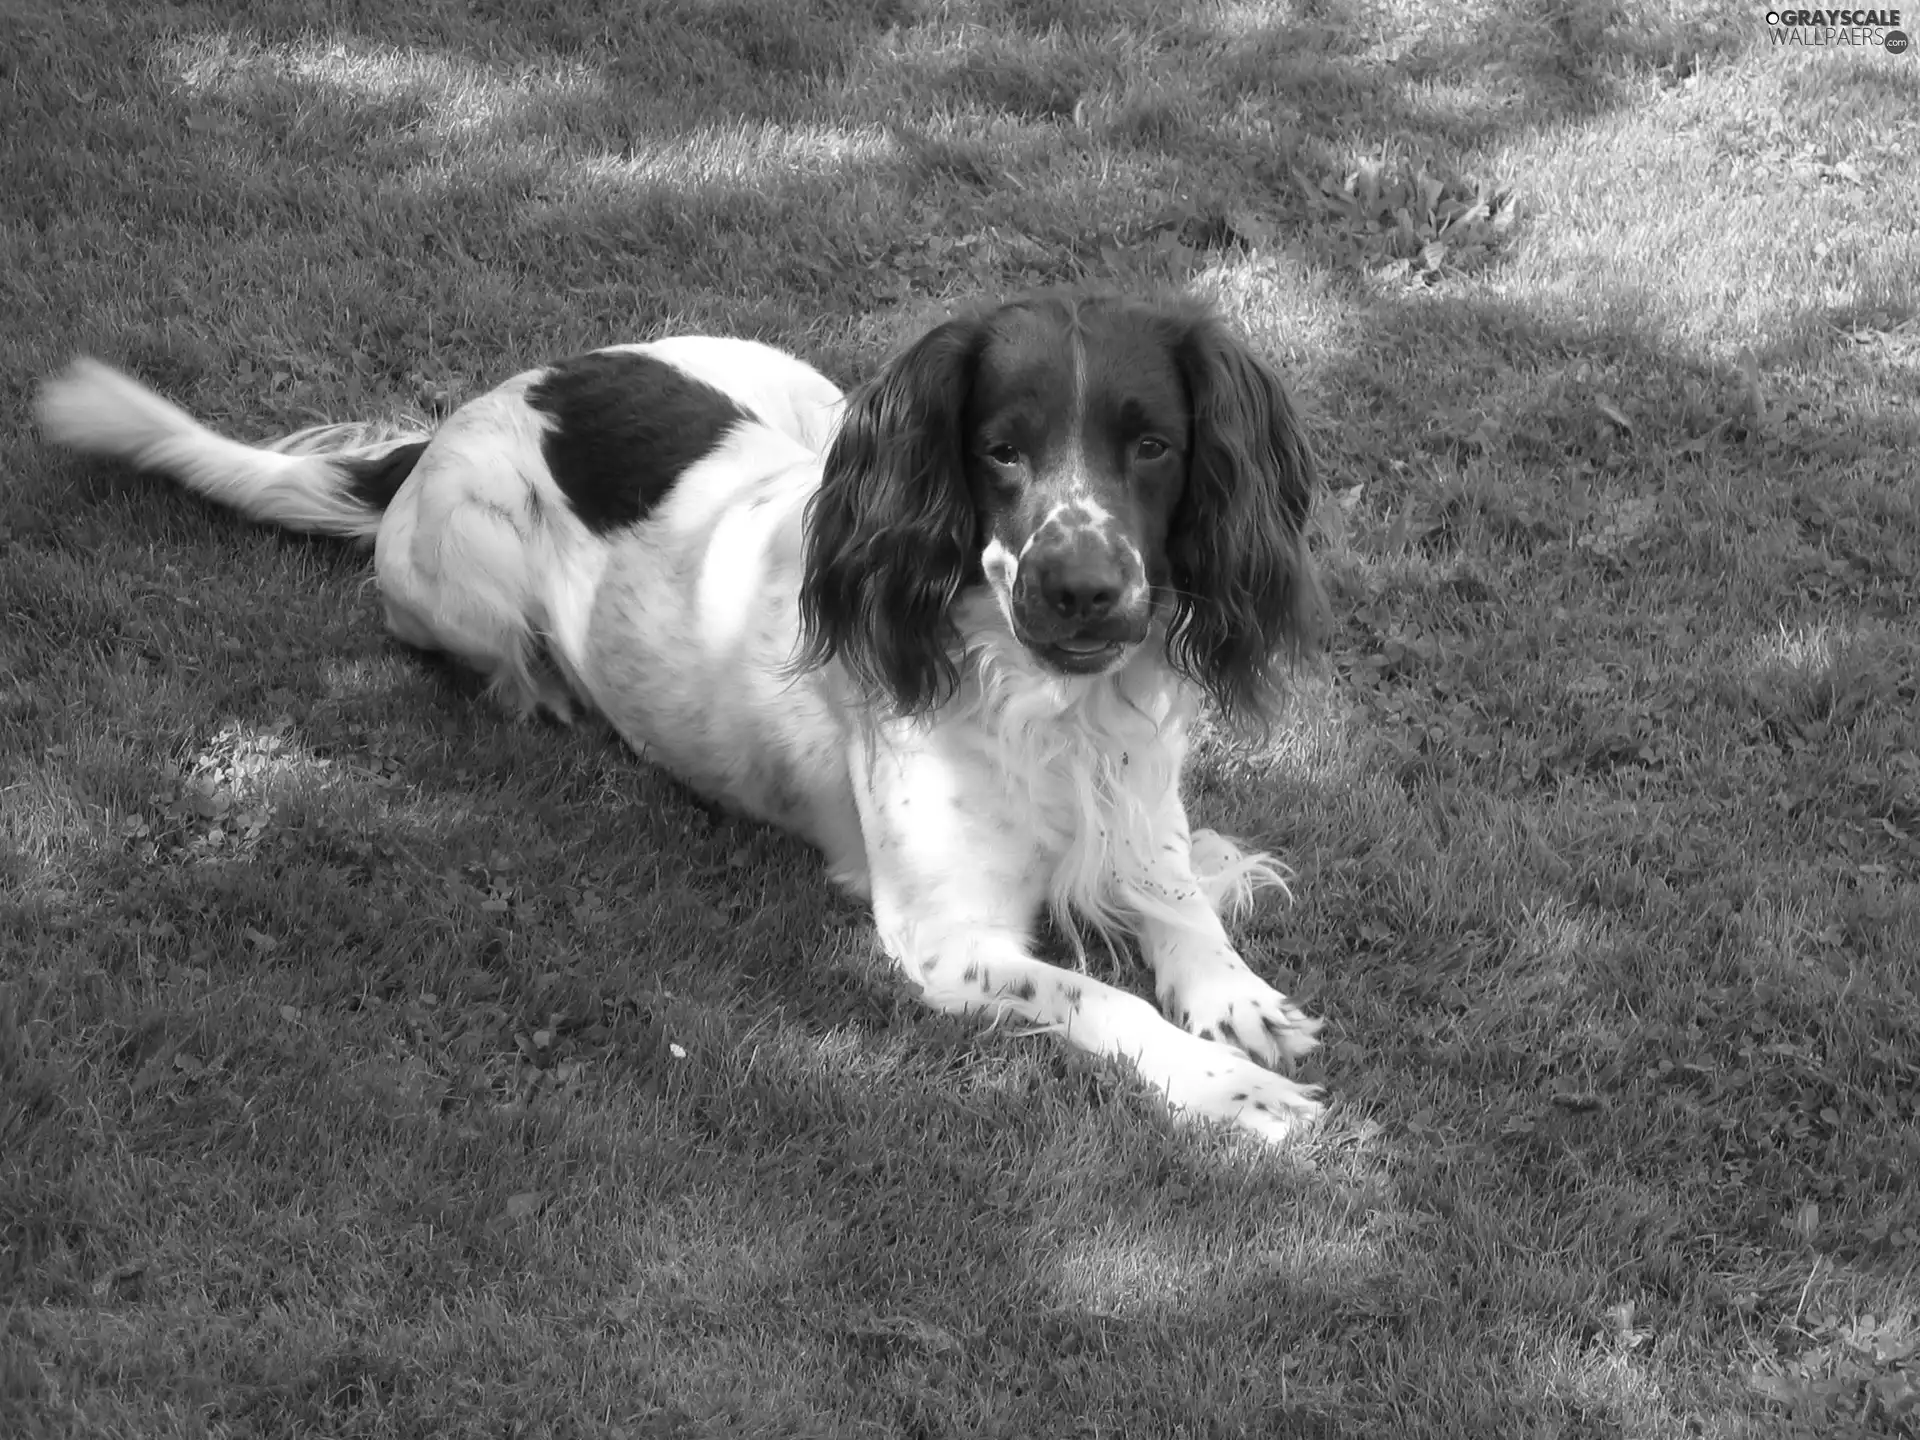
[1202, 983]
[957, 883]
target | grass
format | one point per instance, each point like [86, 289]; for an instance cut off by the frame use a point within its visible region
[372, 1066]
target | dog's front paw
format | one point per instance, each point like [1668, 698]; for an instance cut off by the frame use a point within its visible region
[1223, 1000]
[1222, 1084]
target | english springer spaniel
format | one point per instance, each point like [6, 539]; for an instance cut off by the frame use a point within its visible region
[952, 630]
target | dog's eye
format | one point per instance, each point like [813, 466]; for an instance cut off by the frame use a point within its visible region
[1150, 447]
[1004, 454]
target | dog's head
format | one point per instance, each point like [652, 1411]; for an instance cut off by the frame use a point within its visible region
[1115, 472]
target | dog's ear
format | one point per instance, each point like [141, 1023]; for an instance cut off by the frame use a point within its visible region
[1248, 603]
[892, 533]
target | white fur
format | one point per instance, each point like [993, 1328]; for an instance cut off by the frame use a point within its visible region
[1025, 791]
[95, 408]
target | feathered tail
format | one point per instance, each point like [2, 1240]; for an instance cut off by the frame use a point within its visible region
[330, 480]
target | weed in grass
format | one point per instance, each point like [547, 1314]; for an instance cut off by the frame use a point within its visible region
[1411, 225]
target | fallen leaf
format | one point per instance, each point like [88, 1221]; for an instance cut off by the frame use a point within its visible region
[1775, 1387]
[526, 1204]
[121, 1276]
[1611, 413]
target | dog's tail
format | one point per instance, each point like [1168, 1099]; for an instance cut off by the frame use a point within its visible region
[330, 480]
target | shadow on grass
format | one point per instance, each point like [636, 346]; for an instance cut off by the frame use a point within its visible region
[763, 1126]
[579, 189]
[561, 1012]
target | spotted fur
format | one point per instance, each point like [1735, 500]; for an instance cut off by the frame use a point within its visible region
[953, 632]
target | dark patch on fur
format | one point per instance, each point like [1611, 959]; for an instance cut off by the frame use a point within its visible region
[1025, 990]
[892, 534]
[373, 480]
[904, 508]
[626, 427]
[1248, 601]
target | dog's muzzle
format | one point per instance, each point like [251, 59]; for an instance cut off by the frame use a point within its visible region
[1080, 598]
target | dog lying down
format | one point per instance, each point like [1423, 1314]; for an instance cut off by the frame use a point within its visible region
[951, 630]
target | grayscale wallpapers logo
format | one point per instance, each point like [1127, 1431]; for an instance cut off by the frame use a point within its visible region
[1819, 29]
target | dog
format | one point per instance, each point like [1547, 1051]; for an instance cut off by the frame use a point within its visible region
[952, 629]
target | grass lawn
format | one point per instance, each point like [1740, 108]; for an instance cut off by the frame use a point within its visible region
[373, 1066]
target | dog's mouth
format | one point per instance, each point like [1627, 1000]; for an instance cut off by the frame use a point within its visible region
[1082, 655]
[1102, 647]
[1099, 649]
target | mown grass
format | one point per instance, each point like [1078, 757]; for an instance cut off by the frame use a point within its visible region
[372, 1066]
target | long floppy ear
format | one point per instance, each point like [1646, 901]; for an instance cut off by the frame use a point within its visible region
[1248, 603]
[892, 533]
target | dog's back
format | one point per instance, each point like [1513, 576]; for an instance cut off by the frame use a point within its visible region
[491, 535]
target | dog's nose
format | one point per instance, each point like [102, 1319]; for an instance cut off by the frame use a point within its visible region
[1080, 587]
